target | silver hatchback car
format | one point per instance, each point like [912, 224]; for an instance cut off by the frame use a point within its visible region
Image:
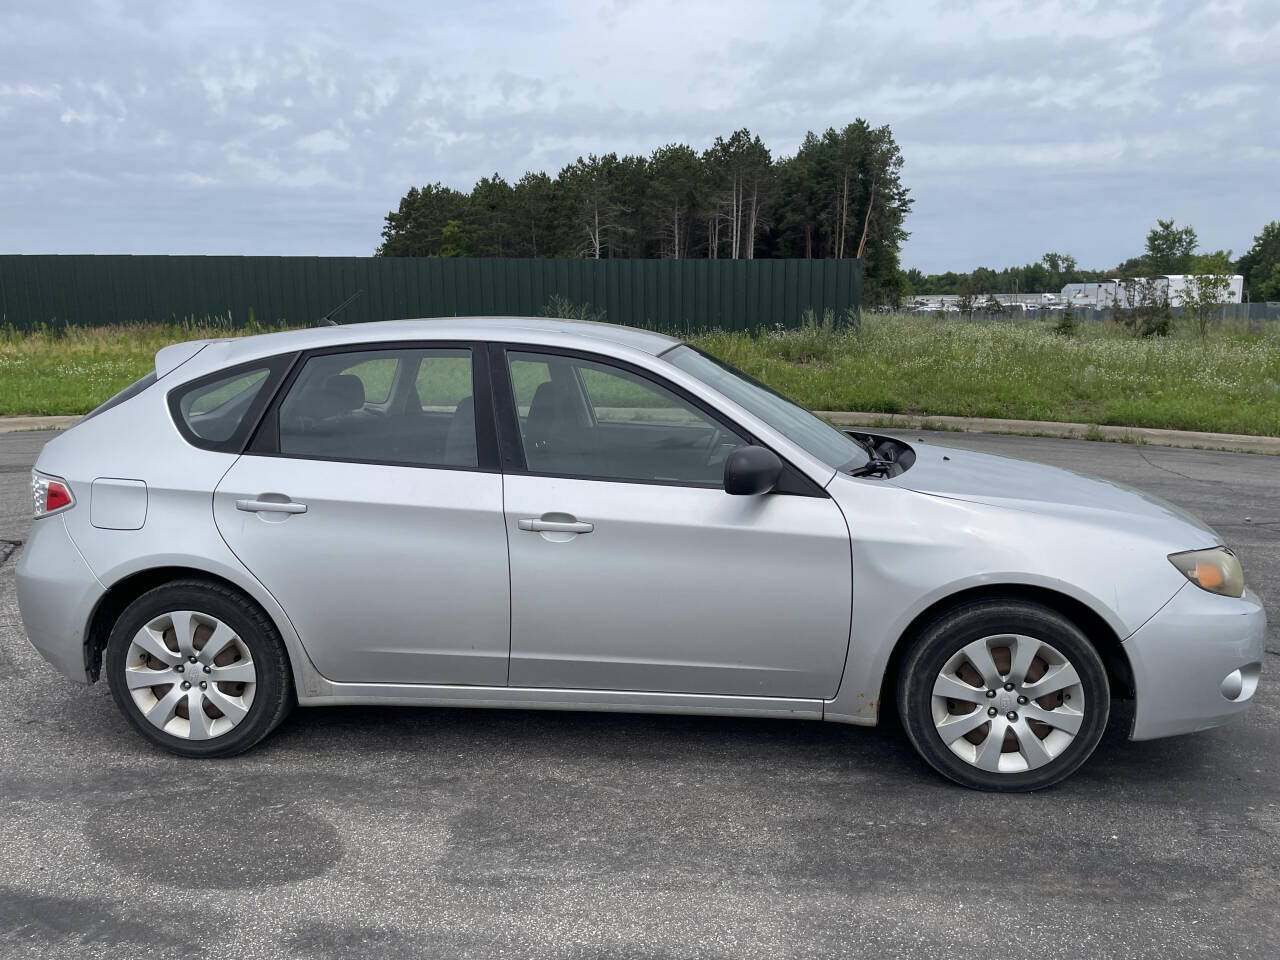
[531, 513]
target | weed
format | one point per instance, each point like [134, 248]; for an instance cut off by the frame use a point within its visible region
[563, 308]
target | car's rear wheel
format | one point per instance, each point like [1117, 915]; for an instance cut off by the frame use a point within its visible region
[1003, 695]
[198, 669]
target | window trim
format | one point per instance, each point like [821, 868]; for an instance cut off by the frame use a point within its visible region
[793, 481]
[278, 368]
[141, 385]
[265, 441]
[743, 375]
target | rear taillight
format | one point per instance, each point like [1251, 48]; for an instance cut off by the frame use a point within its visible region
[51, 494]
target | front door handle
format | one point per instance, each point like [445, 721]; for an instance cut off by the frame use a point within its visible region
[556, 526]
[270, 506]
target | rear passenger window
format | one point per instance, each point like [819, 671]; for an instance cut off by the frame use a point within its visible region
[443, 381]
[215, 411]
[376, 376]
[527, 375]
[410, 407]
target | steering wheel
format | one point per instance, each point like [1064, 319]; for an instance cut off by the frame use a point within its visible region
[712, 444]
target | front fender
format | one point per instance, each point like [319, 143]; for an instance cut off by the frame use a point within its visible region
[913, 551]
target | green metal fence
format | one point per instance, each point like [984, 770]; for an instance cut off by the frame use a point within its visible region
[663, 294]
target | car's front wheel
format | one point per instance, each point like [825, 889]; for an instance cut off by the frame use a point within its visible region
[1003, 695]
[199, 669]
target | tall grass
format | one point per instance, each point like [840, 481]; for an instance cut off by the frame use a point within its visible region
[906, 364]
[1229, 382]
[70, 369]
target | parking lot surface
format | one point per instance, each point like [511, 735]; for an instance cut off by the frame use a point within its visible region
[400, 832]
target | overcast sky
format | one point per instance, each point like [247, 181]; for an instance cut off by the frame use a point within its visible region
[292, 126]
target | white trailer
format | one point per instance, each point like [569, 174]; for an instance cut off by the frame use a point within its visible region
[1096, 294]
[1106, 293]
[1174, 286]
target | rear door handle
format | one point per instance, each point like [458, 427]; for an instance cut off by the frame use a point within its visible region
[556, 526]
[270, 506]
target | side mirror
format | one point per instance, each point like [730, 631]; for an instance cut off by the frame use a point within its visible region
[751, 470]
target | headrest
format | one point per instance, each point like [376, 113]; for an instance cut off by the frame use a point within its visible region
[550, 399]
[345, 392]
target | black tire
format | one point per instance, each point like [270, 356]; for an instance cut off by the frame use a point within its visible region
[941, 639]
[273, 695]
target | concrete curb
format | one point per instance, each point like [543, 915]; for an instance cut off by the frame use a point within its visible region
[1192, 439]
[18, 424]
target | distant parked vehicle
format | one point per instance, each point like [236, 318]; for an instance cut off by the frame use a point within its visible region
[537, 513]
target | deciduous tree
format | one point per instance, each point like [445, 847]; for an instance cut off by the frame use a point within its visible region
[1258, 265]
[1269, 289]
[1206, 290]
[1170, 248]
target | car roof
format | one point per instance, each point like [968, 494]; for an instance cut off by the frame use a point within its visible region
[567, 333]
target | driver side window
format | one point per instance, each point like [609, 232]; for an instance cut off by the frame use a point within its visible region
[582, 418]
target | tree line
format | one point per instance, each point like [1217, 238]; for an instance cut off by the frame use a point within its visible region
[1051, 272]
[839, 196]
[1170, 249]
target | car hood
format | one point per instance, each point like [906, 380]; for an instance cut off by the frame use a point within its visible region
[1022, 485]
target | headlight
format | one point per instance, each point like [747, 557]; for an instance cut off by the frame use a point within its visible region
[1216, 570]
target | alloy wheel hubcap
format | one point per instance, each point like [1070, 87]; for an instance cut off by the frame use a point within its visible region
[190, 675]
[1008, 703]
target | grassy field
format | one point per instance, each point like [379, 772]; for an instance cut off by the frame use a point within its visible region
[1227, 383]
[73, 369]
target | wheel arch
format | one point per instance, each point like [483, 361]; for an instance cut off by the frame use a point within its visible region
[129, 588]
[1094, 626]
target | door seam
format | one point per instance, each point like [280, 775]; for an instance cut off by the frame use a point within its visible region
[506, 531]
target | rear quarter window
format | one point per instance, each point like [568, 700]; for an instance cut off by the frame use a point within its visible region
[218, 411]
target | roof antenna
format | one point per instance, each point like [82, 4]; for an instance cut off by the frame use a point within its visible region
[328, 320]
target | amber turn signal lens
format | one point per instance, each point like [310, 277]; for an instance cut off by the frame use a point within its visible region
[1208, 576]
[1216, 570]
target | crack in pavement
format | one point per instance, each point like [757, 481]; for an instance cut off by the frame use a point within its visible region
[1176, 473]
[7, 548]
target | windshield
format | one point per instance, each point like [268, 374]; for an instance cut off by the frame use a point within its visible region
[817, 437]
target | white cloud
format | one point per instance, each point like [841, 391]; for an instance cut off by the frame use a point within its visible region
[253, 119]
[27, 91]
[1222, 95]
[324, 141]
[85, 117]
[271, 121]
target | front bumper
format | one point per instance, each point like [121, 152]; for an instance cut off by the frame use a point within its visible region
[1196, 662]
[57, 593]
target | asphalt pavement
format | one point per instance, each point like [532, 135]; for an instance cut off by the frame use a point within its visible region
[402, 832]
